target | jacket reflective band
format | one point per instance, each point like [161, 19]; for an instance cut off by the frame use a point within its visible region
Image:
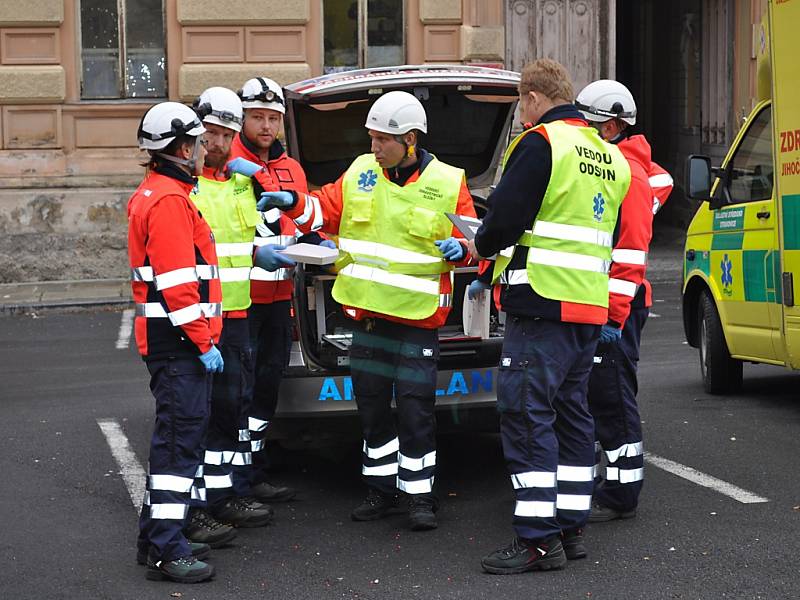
[620, 286]
[574, 502]
[198, 272]
[624, 475]
[566, 473]
[406, 282]
[417, 464]
[574, 233]
[661, 180]
[625, 451]
[283, 240]
[630, 257]
[169, 511]
[218, 481]
[312, 208]
[423, 486]
[256, 424]
[533, 479]
[228, 274]
[528, 508]
[171, 483]
[388, 448]
[259, 274]
[389, 253]
[154, 310]
[568, 260]
[233, 249]
[380, 471]
[445, 300]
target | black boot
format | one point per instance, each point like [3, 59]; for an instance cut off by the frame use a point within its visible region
[267, 492]
[375, 505]
[181, 570]
[421, 513]
[572, 541]
[526, 555]
[199, 551]
[244, 512]
[205, 529]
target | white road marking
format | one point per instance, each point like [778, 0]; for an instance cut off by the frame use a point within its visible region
[125, 329]
[653, 315]
[132, 472]
[701, 479]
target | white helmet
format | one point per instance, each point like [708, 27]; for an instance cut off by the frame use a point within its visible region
[397, 113]
[166, 121]
[261, 92]
[220, 106]
[606, 99]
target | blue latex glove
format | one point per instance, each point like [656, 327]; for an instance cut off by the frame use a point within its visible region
[476, 288]
[610, 334]
[328, 244]
[268, 258]
[212, 360]
[275, 200]
[451, 249]
[243, 167]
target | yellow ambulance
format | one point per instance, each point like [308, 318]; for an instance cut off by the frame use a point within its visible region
[743, 245]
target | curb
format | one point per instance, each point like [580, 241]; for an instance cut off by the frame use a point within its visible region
[27, 307]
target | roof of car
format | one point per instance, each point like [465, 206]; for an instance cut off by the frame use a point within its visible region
[400, 75]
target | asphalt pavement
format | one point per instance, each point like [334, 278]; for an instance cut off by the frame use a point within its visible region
[69, 525]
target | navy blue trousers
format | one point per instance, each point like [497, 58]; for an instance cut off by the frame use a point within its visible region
[618, 426]
[182, 390]
[545, 425]
[271, 340]
[228, 457]
[395, 360]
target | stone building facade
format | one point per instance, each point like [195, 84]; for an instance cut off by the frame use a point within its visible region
[76, 76]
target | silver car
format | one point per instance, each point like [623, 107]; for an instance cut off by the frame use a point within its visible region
[470, 112]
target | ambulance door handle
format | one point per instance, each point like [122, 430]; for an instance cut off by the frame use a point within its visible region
[764, 214]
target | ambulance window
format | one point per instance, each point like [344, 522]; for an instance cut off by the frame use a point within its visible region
[752, 172]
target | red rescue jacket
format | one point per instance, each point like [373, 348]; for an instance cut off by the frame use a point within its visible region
[282, 173]
[175, 279]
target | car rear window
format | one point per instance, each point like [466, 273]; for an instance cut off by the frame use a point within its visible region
[462, 131]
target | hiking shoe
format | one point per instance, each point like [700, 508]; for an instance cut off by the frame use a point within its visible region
[199, 551]
[244, 512]
[421, 511]
[267, 492]
[572, 541]
[205, 529]
[601, 514]
[181, 570]
[375, 505]
[526, 555]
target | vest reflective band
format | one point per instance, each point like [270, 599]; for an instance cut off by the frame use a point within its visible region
[229, 207]
[390, 264]
[570, 242]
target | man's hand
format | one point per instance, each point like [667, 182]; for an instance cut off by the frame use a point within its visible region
[610, 334]
[280, 200]
[243, 167]
[473, 250]
[476, 288]
[268, 258]
[451, 249]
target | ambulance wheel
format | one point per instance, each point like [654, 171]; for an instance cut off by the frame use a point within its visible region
[721, 373]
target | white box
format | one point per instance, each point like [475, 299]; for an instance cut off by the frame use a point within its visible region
[311, 254]
[476, 315]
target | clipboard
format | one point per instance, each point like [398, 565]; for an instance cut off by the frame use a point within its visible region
[468, 226]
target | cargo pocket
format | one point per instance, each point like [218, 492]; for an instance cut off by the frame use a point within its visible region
[511, 380]
[417, 370]
[363, 369]
[189, 408]
[360, 209]
[248, 213]
[422, 222]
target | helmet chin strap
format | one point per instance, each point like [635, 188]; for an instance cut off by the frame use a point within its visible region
[189, 163]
